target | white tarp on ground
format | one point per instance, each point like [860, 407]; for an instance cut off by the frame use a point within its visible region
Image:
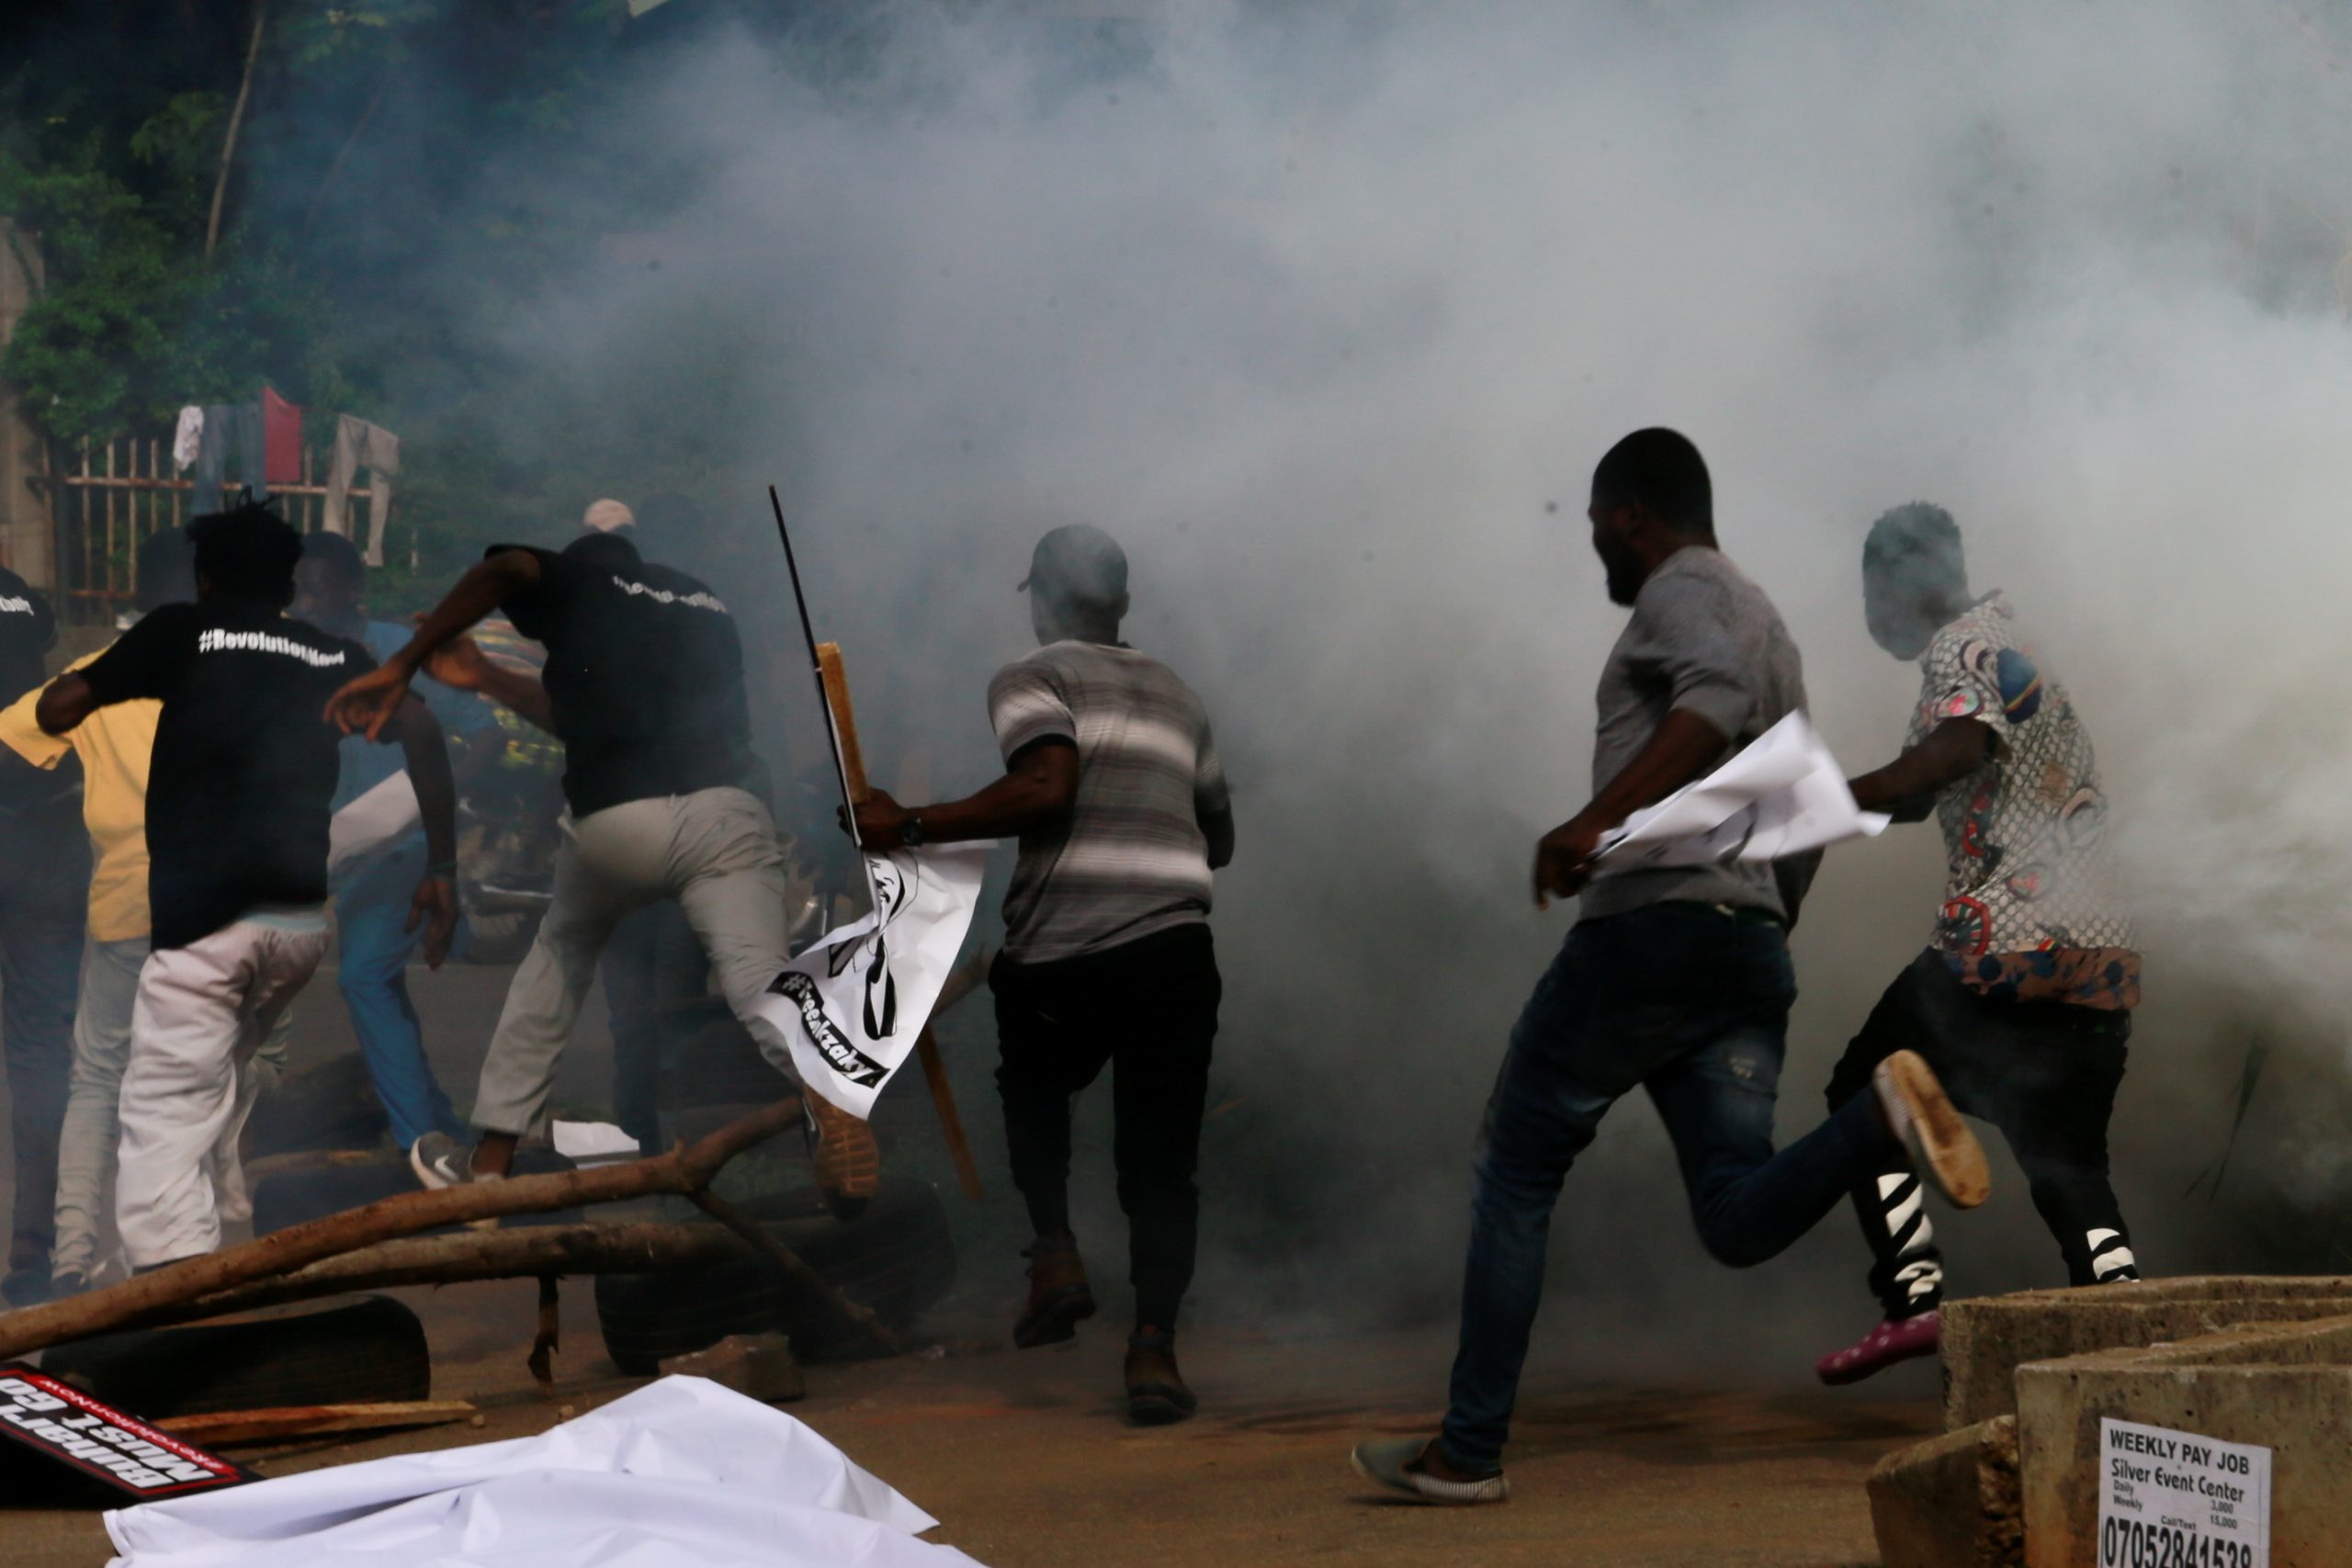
[683, 1473]
[853, 1004]
[1782, 795]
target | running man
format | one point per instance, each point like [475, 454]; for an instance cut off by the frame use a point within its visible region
[1113, 786]
[644, 686]
[1676, 979]
[2022, 1001]
[237, 813]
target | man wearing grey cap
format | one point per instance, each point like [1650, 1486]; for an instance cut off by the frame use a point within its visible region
[1113, 788]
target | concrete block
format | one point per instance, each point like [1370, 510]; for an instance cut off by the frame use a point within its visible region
[2287, 1387]
[1952, 1502]
[759, 1365]
[1986, 1340]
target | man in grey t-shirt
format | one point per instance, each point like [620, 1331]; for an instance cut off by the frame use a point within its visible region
[1112, 785]
[1676, 980]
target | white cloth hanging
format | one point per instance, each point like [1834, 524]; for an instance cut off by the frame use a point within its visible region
[187, 437]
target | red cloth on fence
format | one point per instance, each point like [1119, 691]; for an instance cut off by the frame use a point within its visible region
[281, 437]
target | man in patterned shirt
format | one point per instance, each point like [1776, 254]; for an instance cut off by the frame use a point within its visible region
[1113, 786]
[2022, 1002]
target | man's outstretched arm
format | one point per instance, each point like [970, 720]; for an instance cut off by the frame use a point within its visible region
[1038, 790]
[369, 702]
[461, 665]
[1907, 786]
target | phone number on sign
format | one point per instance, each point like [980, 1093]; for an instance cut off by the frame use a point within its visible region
[2128, 1543]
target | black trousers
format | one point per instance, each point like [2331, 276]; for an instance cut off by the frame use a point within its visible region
[2044, 1073]
[1148, 1011]
[44, 909]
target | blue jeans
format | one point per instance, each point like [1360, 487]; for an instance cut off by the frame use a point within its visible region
[1691, 1005]
[371, 970]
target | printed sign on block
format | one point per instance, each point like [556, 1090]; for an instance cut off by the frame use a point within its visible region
[60, 1421]
[2174, 1497]
[851, 1006]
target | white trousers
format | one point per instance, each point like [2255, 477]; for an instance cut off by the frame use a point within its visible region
[201, 1013]
[715, 852]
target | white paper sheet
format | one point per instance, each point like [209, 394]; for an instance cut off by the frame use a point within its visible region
[592, 1143]
[683, 1473]
[851, 1006]
[1782, 795]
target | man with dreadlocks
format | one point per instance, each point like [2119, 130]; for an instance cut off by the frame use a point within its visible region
[237, 803]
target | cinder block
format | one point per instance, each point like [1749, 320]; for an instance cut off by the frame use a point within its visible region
[2287, 1387]
[1986, 1340]
[759, 1365]
[1952, 1502]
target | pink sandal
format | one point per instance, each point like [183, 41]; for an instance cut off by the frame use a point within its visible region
[1896, 1339]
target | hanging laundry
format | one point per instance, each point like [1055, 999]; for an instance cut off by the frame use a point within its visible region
[281, 439]
[188, 436]
[359, 445]
[230, 441]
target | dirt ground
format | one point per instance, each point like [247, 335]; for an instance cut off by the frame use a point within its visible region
[1024, 1460]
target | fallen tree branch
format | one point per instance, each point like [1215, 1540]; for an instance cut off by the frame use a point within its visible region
[524, 1254]
[684, 1171]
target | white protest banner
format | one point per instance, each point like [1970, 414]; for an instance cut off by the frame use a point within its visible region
[1782, 795]
[2167, 1496]
[851, 1006]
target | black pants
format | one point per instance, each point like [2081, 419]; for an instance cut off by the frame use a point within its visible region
[2044, 1073]
[44, 908]
[1148, 1008]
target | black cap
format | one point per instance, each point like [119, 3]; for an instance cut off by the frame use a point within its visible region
[1081, 563]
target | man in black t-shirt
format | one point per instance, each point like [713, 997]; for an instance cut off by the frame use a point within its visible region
[44, 881]
[644, 686]
[237, 810]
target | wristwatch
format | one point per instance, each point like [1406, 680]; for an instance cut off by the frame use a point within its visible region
[910, 832]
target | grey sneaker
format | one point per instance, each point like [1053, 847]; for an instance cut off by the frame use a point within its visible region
[1923, 1121]
[440, 1161]
[1395, 1464]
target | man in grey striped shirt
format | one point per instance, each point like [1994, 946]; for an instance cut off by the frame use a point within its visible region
[1113, 786]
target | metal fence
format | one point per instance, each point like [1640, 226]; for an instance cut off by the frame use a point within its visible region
[120, 494]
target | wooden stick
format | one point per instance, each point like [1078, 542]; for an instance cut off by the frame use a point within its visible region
[836, 679]
[951, 1121]
[682, 1171]
[549, 1337]
[315, 1420]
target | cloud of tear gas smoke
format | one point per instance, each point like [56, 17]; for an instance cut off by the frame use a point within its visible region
[1326, 311]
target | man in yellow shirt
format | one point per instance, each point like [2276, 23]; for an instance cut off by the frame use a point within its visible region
[114, 745]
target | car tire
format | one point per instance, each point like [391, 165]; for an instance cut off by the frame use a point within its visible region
[896, 1257]
[330, 1106]
[341, 1352]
